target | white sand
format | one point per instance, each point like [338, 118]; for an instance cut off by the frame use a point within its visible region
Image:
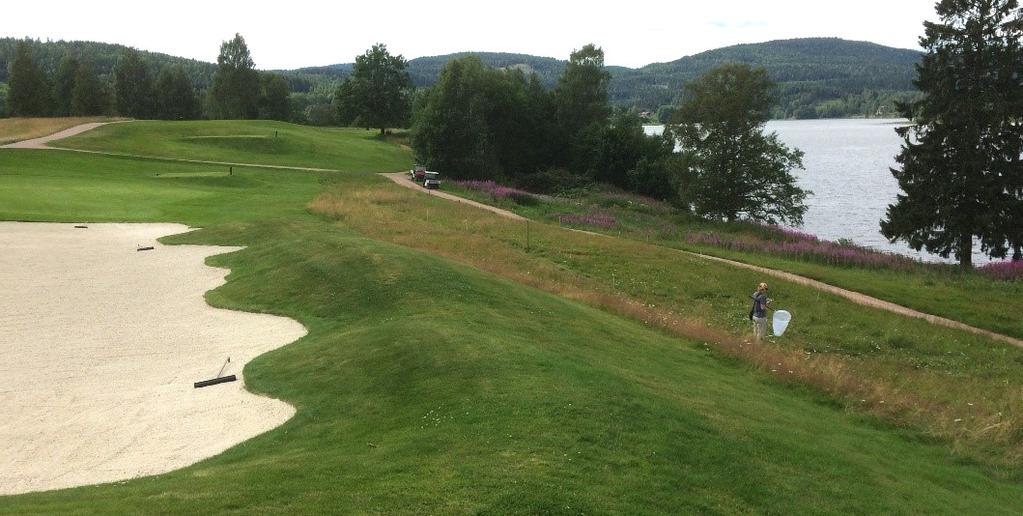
[100, 346]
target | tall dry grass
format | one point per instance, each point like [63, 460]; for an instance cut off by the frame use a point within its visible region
[18, 129]
[973, 418]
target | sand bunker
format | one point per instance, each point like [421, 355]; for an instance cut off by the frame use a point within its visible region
[100, 345]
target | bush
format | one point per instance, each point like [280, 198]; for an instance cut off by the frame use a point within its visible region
[552, 181]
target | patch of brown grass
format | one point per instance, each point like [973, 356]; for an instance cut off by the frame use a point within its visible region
[18, 129]
[971, 417]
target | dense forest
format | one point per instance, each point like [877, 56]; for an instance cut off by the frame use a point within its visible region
[816, 77]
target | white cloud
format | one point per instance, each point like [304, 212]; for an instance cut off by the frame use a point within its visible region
[283, 35]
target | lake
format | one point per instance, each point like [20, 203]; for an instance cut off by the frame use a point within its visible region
[847, 164]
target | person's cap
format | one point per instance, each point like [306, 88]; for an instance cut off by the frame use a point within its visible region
[762, 286]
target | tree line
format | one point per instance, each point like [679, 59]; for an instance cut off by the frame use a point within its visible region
[482, 122]
[960, 167]
[136, 88]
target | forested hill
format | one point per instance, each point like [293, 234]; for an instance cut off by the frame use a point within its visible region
[817, 77]
[103, 56]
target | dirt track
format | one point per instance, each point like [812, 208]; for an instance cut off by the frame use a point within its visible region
[855, 297]
[41, 143]
[101, 346]
[402, 179]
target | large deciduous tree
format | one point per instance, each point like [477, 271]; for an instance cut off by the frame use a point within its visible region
[960, 161]
[377, 93]
[236, 87]
[479, 122]
[133, 86]
[175, 95]
[733, 169]
[274, 103]
[29, 90]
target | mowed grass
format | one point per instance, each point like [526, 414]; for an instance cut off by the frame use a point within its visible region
[956, 386]
[74, 187]
[262, 142]
[427, 386]
[17, 129]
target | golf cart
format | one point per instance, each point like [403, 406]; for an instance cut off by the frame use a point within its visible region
[417, 174]
[431, 181]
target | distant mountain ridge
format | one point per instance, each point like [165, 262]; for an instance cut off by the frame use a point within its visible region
[817, 77]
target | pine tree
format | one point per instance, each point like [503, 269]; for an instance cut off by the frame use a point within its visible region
[64, 84]
[90, 96]
[235, 91]
[29, 91]
[133, 86]
[960, 160]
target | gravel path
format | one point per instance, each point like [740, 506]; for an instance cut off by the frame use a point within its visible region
[402, 179]
[41, 142]
[856, 297]
[101, 344]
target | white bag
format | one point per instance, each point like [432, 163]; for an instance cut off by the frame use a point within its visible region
[780, 322]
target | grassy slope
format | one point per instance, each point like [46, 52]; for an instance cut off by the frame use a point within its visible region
[899, 367]
[348, 150]
[942, 293]
[426, 386]
[17, 129]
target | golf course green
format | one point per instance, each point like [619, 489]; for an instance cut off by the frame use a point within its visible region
[438, 377]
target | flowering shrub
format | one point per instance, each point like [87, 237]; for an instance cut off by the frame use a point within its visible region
[497, 191]
[1005, 271]
[600, 220]
[804, 246]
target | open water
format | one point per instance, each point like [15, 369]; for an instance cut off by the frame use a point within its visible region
[847, 169]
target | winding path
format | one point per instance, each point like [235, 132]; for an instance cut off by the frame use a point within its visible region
[43, 143]
[400, 179]
[856, 297]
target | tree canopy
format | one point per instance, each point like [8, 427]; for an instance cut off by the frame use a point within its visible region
[960, 170]
[733, 169]
[175, 95]
[377, 94]
[236, 87]
[29, 89]
[133, 86]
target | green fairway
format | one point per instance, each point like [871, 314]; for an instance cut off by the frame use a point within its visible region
[263, 142]
[427, 386]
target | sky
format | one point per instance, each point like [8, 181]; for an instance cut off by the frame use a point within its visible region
[634, 33]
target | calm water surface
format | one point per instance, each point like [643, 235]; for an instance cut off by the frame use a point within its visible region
[847, 169]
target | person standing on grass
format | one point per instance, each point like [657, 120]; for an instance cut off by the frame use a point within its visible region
[758, 314]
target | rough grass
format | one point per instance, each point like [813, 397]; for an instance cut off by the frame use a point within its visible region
[896, 367]
[17, 129]
[262, 142]
[426, 386]
[971, 298]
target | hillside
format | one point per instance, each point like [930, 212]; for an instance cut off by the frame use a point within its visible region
[103, 55]
[817, 77]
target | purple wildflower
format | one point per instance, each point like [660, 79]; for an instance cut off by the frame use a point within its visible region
[1005, 271]
[600, 220]
[806, 247]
